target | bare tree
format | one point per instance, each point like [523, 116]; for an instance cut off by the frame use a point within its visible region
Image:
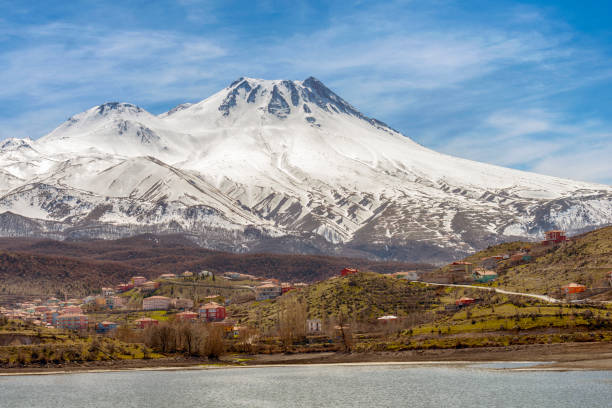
[292, 320]
[213, 345]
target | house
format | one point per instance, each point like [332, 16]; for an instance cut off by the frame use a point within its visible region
[212, 312]
[187, 274]
[182, 304]
[314, 326]
[212, 297]
[408, 275]
[554, 237]
[286, 287]
[268, 291]
[145, 322]
[387, 319]
[89, 299]
[149, 286]
[115, 302]
[72, 322]
[50, 317]
[489, 262]
[100, 301]
[71, 310]
[187, 316]
[106, 292]
[484, 276]
[464, 301]
[138, 280]
[124, 287]
[236, 330]
[41, 309]
[348, 271]
[106, 327]
[573, 288]
[232, 275]
[205, 274]
[166, 276]
[156, 303]
[462, 267]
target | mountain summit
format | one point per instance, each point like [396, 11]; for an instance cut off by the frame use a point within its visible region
[278, 165]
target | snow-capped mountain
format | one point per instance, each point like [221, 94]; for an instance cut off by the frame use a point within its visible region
[277, 166]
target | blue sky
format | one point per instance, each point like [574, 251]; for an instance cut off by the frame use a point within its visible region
[524, 84]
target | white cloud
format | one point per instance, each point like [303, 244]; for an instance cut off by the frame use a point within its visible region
[484, 88]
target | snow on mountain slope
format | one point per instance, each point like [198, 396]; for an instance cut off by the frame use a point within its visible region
[273, 159]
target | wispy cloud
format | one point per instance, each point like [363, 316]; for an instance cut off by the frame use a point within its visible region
[508, 85]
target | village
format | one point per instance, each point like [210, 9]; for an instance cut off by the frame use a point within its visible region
[140, 295]
[248, 312]
[79, 314]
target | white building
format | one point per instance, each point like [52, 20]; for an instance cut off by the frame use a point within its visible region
[314, 326]
[268, 291]
[156, 303]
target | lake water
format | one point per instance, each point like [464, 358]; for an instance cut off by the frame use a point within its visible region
[313, 386]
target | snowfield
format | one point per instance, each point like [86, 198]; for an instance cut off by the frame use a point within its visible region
[285, 163]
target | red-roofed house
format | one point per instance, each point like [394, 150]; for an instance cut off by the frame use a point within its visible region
[145, 322]
[554, 237]
[573, 288]
[286, 287]
[348, 271]
[138, 280]
[124, 287]
[212, 312]
[464, 301]
[187, 315]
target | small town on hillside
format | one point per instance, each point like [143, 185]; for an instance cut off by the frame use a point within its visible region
[504, 295]
[140, 296]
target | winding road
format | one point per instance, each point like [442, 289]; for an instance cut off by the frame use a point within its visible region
[496, 290]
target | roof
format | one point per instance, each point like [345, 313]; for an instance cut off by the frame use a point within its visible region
[268, 285]
[574, 285]
[72, 315]
[389, 317]
[485, 272]
[157, 298]
[465, 298]
[145, 319]
[211, 305]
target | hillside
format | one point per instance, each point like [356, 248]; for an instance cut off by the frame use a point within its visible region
[359, 298]
[31, 274]
[31, 266]
[427, 316]
[585, 259]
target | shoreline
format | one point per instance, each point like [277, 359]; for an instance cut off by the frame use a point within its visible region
[553, 357]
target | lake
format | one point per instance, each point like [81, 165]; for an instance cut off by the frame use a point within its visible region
[391, 385]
